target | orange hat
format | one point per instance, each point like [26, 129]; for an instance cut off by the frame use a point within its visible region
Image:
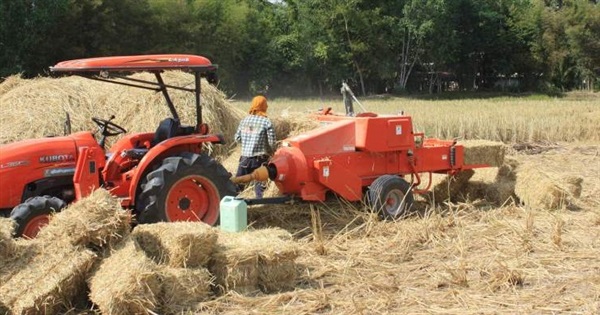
[259, 106]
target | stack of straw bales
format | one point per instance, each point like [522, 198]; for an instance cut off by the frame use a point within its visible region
[95, 221]
[539, 189]
[127, 282]
[50, 278]
[248, 261]
[37, 107]
[182, 251]
[483, 152]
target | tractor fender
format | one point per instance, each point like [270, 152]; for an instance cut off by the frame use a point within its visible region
[169, 147]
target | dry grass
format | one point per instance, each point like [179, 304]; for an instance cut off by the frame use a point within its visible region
[498, 119]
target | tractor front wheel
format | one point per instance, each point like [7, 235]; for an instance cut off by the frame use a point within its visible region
[34, 214]
[188, 187]
[391, 196]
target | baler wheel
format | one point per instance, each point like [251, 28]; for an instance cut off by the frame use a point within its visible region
[34, 214]
[188, 187]
[391, 196]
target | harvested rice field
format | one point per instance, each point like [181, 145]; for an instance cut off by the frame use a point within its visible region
[522, 237]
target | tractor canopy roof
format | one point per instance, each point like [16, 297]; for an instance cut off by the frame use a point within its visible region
[116, 69]
[137, 63]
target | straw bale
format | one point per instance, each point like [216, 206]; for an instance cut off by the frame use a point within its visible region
[177, 244]
[50, 279]
[37, 107]
[8, 245]
[183, 289]
[451, 186]
[95, 220]
[483, 152]
[539, 189]
[127, 282]
[255, 259]
[291, 125]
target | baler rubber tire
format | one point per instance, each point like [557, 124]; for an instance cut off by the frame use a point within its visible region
[380, 190]
[34, 208]
[202, 170]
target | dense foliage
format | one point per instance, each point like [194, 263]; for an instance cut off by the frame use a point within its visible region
[302, 47]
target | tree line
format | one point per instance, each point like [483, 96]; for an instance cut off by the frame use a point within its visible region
[308, 47]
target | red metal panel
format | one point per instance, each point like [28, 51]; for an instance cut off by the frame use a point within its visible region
[339, 179]
[335, 138]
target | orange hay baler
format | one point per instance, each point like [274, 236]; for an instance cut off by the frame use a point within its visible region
[368, 155]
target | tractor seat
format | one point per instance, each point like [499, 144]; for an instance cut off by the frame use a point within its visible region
[170, 128]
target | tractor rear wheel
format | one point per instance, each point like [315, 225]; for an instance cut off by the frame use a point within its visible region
[34, 214]
[188, 187]
[391, 196]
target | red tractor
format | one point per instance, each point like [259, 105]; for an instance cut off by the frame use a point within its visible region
[160, 176]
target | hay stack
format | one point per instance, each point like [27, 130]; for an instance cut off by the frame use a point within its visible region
[37, 107]
[10, 83]
[183, 289]
[96, 220]
[247, 261]
[177, 244]
[50, 278]
[539, 189]
[126, 282]
[8, 246]
[483, 152]
[289, 126]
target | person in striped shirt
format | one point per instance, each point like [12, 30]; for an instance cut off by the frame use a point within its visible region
[257, 136]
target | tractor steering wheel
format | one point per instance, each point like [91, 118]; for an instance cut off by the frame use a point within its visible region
[107, 127]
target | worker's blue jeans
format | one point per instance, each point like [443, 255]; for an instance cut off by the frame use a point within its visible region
[248, 165]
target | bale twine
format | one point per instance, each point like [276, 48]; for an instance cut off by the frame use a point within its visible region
[8, 246]
[51, 281]
[96, 220]
[177, 244]
[183, 289]
[126, 282]
[251, 260]
[483, 152]
[37, 107]
[539, 189]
